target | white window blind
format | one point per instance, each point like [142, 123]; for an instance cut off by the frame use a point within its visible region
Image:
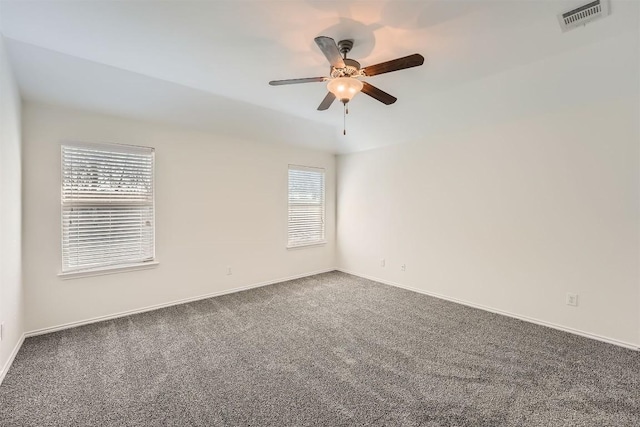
[306, 206]
[107, 206]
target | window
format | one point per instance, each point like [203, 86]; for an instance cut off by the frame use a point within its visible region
[306, 206]
[107, 206]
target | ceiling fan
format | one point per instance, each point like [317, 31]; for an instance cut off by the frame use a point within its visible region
[346, 74]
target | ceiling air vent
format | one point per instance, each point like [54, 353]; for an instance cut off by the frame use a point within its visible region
[583, 14]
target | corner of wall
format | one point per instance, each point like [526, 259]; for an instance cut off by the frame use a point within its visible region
[11, 287]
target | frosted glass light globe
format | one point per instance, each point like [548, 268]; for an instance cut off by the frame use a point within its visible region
[344, 88]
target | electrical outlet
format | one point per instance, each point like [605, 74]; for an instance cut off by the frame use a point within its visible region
[572, 299]
[229, 273]
[403, 267]
[382, 262]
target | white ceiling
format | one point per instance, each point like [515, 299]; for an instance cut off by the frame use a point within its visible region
[194, 62]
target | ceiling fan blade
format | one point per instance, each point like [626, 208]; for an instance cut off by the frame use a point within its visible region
[328, 46]
[378, 94]
[394, 65]
[296, 81]
[327, 101]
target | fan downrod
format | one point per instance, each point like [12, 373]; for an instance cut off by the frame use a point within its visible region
[345, 46]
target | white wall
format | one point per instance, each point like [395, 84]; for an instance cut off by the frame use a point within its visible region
[219, 202]
[532, 194]
[11, 307]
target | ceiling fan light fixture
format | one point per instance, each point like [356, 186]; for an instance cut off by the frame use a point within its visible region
[344, 74]
[344, 88]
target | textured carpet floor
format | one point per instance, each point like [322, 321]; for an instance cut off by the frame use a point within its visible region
[328, 350]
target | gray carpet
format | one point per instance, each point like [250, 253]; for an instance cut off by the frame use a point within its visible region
[328, 350]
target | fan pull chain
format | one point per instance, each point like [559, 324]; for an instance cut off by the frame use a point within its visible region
[344, 119]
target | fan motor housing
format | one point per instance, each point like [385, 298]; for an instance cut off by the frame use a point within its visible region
[351, 69]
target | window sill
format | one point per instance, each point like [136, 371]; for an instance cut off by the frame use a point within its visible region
[108, 270]
[306, 245]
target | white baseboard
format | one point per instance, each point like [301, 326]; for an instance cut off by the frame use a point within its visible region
[12, 356]
[502, 312]
[167, 304]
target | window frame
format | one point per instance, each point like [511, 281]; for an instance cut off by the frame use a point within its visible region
[115, 267]
[323, 239]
